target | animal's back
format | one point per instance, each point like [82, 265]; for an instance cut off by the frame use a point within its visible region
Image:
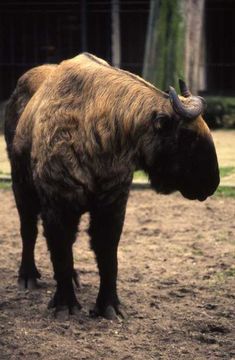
[88, 93]
[26, 87]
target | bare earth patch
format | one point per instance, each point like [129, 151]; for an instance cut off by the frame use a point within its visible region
[176, 278]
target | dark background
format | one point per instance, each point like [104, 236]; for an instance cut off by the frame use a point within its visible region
[37, 32]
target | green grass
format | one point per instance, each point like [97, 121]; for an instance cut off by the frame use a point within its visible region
[5, 185]
[227, 170]
[197, 252]
[225, 191]
[140, 175]
[223, 275]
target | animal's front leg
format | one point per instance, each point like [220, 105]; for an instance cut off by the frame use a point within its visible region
[60, 231]
[105, 230]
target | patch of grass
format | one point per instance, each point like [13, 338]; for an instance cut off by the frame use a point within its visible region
[221, 238]
[140, 175]
[5, 185]
[197, 252]
[230, 272]
[225, 191]
[227, 170]
[223, 275]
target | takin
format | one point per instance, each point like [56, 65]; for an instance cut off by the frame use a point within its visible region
[75, 134]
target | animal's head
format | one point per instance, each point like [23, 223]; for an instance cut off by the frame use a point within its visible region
[183, 156]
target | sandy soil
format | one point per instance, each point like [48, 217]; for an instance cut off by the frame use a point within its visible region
[225, 146]
[176, 279]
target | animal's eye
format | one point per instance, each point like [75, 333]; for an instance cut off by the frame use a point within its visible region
[163, 124]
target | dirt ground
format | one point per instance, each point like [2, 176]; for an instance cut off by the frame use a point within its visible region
[176, 279]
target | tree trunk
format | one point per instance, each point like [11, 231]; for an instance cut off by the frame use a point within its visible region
[116, 48]
[174, 46]
[194, 45]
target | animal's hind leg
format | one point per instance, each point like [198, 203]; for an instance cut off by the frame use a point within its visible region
[60, 227]
[28, 209]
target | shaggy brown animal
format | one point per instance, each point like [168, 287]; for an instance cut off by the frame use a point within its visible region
[81, 136]
[27, 85]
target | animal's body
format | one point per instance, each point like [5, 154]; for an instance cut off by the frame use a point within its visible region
[74, 141]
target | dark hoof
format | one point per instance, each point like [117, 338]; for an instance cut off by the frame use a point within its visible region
[28, 276]
[27, 283]
[62, 312]
[110, 312]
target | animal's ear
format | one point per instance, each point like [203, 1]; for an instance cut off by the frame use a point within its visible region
[162, 123]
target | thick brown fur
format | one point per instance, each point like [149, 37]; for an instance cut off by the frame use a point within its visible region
[27, 85]
[108, 106]
[96, 110]
[86, 127]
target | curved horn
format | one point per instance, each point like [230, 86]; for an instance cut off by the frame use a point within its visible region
[190, 111]
[184, 90]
